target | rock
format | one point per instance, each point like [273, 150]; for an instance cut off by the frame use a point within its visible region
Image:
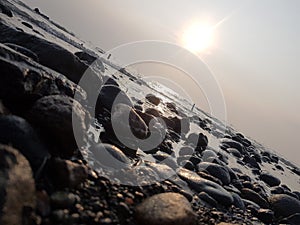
[237, 201]
[63, 200]
[110, 156]
[234, 152]
[200, 141]
[284, 205]
[165, 209]
[110, 81]
[153, 99]
[64, 173]
[186, 150]
[233, 144]
[153, 112]
[86, 57]
[251, 161]
[19, 133]
[164, 158]
[200, 184]
[251, 195]
[23, 81]
[23, 51]
[172, 107]
[269, 179]
[163, 171]
[208, 199]
[111, 95]
[5, 10]
[265, 215]
[291, 220]
[216, 170]
[17, 187]
[59, 117]
[50, 54]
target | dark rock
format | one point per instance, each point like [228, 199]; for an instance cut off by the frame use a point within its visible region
[62, 121]
[5, 10]
[265, 215]
[269, 179]
[215, 170]
[65, 173]
[284, 205]
[17, 187]
[187, 164]
[110, 81]
[109, 96]
[200, 141]
[234, 152]
[166, 159]
[200, 184]
[153, 99]
[277, 190]
[172, 107]
[255, 197]
[86, 57]
[233, 144]
[208, 199]
[165, 209]
[291, 220]
[23, 81]
[237, 201]
[153, 112]
[18, 132]
[205, 175]
[251, 161]
[50, 54]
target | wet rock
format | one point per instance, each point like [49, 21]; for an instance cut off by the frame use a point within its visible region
[19, 133]
[110, 156]
[165, 209]
[265, 215]
[200, 184]
[237, 201]
[153, 99]
[207, 176]
[251, 195]
[50, 54]
[233, 144]
[215, 170]
[208, 199]
[63, 200]
[269, 179]
[251, 161]
[17, 187]
[64, 173]
[284, 205]
[200, 141]
[111, 95]
[23, 81]
[23, 51]
[55, 116]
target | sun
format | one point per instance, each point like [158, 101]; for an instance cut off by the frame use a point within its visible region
[198, 37]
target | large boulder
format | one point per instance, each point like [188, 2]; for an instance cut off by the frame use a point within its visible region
[17, 188]
[55, 115]
[165, 209]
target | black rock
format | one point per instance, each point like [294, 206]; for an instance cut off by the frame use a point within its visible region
[19, 133]
[153, 99]
[251, 195]
[5, 10]
[292, 220]
[269, 179]
[62, 121]
[23, 51]
[215, 170]
[265, 215]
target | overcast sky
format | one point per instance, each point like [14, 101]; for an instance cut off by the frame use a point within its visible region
[254, 55]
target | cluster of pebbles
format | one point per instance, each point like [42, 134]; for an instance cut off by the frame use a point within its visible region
[49, 177]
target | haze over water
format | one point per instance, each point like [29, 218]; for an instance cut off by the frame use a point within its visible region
[252, 48]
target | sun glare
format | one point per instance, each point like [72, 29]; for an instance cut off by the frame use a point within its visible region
[198, 37]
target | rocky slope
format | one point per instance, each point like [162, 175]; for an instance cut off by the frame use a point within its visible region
[201, 172]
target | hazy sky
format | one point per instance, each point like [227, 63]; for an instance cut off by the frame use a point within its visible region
[254, 54]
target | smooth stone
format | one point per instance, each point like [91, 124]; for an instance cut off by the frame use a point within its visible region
[153, 99]
[57, 116]
[238, 202]
[233, 144]
[216, 170]
[251, 161]
[200, 184]
[208, 199]
[200, 141]
[265, 215]
[165, 209]
[251, 195]
[269, 179]
[186, 150]
[234, 152]
[163, 171]
[164, 158]
[284, 205]
[291, 220]
[17, 132]
[17, 187]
